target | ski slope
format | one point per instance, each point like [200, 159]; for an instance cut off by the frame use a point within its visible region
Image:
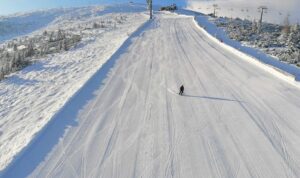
[30, 98]
[235, 119]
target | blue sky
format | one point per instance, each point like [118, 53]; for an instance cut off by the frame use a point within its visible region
[12, 6]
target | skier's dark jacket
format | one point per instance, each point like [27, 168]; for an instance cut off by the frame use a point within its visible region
[182, 88]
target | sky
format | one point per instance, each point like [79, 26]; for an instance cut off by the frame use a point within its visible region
[13, 6]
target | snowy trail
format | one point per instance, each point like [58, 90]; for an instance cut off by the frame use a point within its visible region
[235, 119]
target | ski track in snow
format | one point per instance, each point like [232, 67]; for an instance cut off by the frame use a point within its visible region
[31, 97]
[235, 119]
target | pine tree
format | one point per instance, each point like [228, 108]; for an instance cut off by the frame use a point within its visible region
[286, 28]
[254, 27]
[51, 37]
[1, 73]
[15, 47]
[65, 45]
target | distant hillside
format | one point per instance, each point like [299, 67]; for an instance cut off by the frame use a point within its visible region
[276, 12]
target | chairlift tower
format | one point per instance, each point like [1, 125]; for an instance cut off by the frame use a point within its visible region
[216, 7]
[149, 2]
[262, 10]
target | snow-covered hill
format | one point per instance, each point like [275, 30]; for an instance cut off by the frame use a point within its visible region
[24, 23]
[109, 106]
[276, 12]
[235, 119]
[32, 96]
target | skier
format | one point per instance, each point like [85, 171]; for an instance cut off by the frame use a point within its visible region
[181, 90]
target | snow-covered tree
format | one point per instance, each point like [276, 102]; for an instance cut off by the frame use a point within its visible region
[30, 49]
[294, 37]
[286, 29]
[254, 26]
[51, 37]
[95, 25]
[1, 73]
[15, 47]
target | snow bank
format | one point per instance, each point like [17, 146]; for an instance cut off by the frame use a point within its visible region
[282, 70]
[30, 98]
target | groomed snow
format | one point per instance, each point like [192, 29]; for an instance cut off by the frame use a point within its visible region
[32, 96]
[235, 119]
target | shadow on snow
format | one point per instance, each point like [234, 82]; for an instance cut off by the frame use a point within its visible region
[211, 98]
